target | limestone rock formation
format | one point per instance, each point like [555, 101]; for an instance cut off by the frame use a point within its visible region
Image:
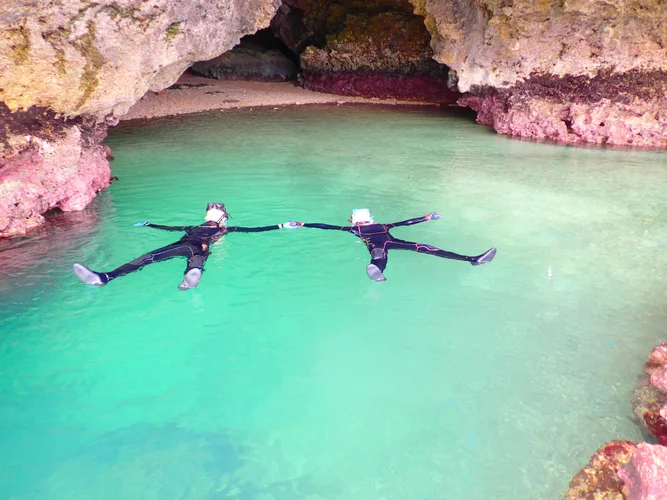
[98, 58]
[650, 400]
[574, 71]
[93, 60]
[599, 479]
[385, 55]
[370, 49]
[645, 476]
[47, 162]
[248, 61]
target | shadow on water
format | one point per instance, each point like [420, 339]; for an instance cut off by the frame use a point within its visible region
[168, 461]
[47, 247]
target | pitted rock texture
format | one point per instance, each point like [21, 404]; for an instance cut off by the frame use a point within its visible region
[48, 162]
[645, 477]
[498, 43]
[301, 23]
[94, 59]
[248, 61]
[627, 109]
[382, 55]
[599, 479]
[504, 52]
[98, 58]
[650, 397]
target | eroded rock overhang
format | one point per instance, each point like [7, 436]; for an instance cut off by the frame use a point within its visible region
[72, 68]
[573, 71]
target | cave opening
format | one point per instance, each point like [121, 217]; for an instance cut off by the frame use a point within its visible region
[373, 50]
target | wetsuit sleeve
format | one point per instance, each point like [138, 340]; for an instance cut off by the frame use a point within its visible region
[170, 228]
[239, 229]
[317, 225]
[408, 222]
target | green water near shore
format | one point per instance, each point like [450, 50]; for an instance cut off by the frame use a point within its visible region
[288, 374]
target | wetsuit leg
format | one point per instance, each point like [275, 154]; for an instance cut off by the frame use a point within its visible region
[428, 249]
[378, 263]
[194, 269]
[178, 249]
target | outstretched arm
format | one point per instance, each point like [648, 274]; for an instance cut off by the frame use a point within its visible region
[164, 228]
[317, 225]
[417, 220]
[287, 225]
[261, 229]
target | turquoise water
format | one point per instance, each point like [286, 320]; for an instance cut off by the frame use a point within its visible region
[288, 374]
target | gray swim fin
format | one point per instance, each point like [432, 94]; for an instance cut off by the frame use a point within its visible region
[191, 280]
[375, 273]
[88, 276]
[485, 258]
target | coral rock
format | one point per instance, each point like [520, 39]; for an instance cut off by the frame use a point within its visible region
[645, 477]
[599, 479]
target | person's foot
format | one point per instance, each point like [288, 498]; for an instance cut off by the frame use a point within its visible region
[485, 258]
[88, 276]
[375, 273]
[191, 279]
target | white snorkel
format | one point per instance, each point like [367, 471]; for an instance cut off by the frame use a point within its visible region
[361, 216]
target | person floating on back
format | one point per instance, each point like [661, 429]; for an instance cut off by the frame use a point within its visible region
[379, 241]
[195, 245]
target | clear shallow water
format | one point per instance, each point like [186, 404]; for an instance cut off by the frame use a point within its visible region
[287, 374]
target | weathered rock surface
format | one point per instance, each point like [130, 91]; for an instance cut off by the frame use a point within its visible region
[47, 162]
[378, 55]
[645, 476]
[99, 58]
[574, 71]
[599, 479]
[650, 398]
[248, 61]
[628, 109]
[92, 59]
[525, 64]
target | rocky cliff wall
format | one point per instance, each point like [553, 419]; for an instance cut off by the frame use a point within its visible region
[70, 66]
[574, 71]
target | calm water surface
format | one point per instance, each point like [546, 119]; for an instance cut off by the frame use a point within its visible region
[288, 374]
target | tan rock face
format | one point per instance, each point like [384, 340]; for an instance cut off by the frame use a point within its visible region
[573, 71]
[91, 60]
[498, 43]
[78, 57]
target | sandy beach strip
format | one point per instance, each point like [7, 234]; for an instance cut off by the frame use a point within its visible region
[194, 94]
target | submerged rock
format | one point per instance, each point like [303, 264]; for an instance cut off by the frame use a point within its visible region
[645, 476]
[599, 479]
[650, 397]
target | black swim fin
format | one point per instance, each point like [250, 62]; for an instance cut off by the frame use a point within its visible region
[375, 273]
[485, 258]
[191, 279]
[88, 276]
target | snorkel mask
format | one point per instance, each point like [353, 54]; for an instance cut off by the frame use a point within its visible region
[217, 213]
[361, 216]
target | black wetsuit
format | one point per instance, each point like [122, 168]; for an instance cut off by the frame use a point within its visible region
[194, 245]
[378, 240]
